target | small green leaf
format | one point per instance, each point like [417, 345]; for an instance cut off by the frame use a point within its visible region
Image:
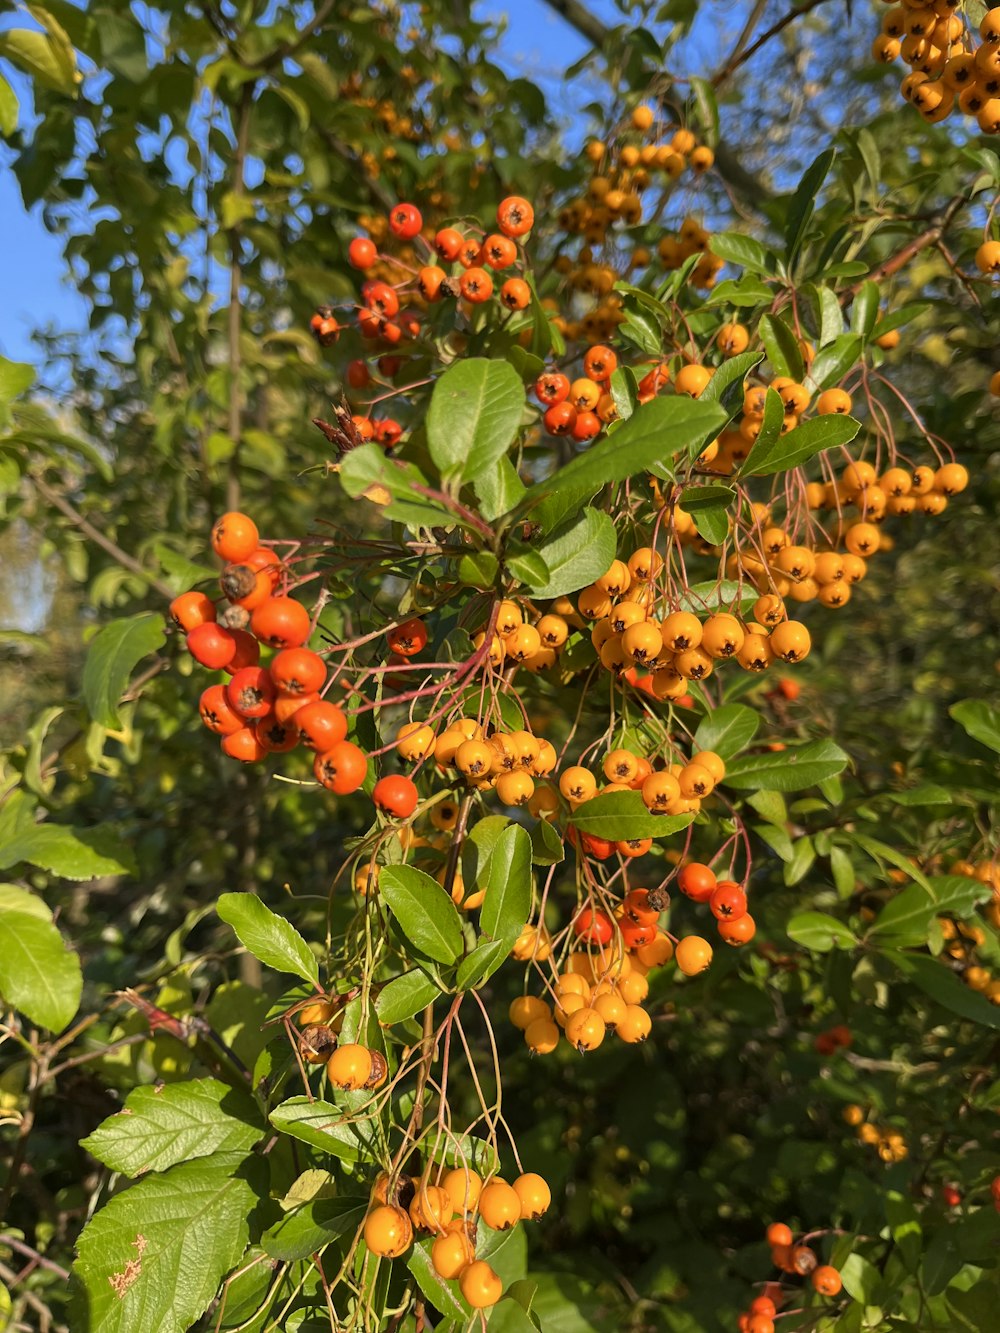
[479, 569]
[575, 554]
[527, 566]
[367, 472]
[864, 310]
[941, 984]
[507, 903]
[479, 965]
[620, 815]
[803, 203]
[726, 385]
[8, 109]
[799, 445]
[159, 1127]
[425, 913]
[15, 378]
[727, 730]
[69, 853]
[782, 346]
[735, 248]
[39, 975]
[153, 1256]
[833, 362]
[43, 57]
[405, 996]
[980, 720]
[546, 845]
[474, 415]
[269, 937]
[301, 1233]
[325, 1126]
[498, 489]
[624, 391]
[112, 656]
[861, 1279]
[820, 933]
[787, 770]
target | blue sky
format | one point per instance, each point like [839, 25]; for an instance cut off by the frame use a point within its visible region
[33, 281]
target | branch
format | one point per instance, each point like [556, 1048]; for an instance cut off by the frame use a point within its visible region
[288, 49]
[740, 58]
[98, 538]
[932, 235]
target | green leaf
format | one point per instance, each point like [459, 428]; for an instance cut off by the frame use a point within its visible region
[507, 883]
[842, 869]
[161, 1126]
[443, 1296]
[712, 522]
[940, 983]
[803, 203]
[478, 569]
[735, 248]
[781, 345]
[546, 845]
[576, 554]
[902, 315]
[301, 1233]
[787, 770]
[425, 913]
[726, 385]
[861, 1279]
[69, 853]
[655, 435]
[269, 937]
[405, 996]
[112, 656]
[498, 489]
[928, 793]
[747, 292]
[235, 208]
[527, 565]
[366, 471]
[39, 975]
[711, 496]
[833, 362]
[479, 965]
[906, 918]
[43, 57]
[15, 378]
[15, 899]
[474, 415]
[619, 815]
[153, 1256]
[8, 108]
[799, 445]
[820, 933]
[509, 1317]
[325, 1126]
[980, 720]
[727, 730]
[831, 315]
[624, 391]
[864, 310]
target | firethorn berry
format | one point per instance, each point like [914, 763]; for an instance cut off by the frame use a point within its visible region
[697, 881]
[192, 609]
[515, 294]
[414, 741]
[281, 622]
[988, 257]
[596, 927]
[763, 1305]
[409, 638]
[526, 1009]
[243, 745]
[738, 931]
[452, 1252]
[499, 1205]
[542, 1036]
[350, 1067]
[951, 1197]
[464, 1187]
[211, 645]
[480, 1285]
[660, 791]
[515, 216]
[396, 795]
[585, 1029]
[362, 253]
[388, 1232]
[778, 1233]
[217, 713]
[448, 242]
[728, 901]
[476, 285]
[341, 769]
[760, 1323]
[298, 671]
[534, 1194]
[251, 692]
[639, 908]
[234, 537]
[693, 955]
[826, 1280]
[321, 725]
[560, 418]
[635, 1025]
[431, 1207]
[405, 221]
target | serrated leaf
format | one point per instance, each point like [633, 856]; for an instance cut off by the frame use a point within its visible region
[727, 730]
[425, 913]
[576, 554]
[112, 655]
[820, 933]
[620, 815]
[787, 770]
[269, 937]
[474, 415]
[325, 1126]
[405, 996]
[159, 1127]
[153, 1256]
[507, 883]
[38, 974]
[799, 445]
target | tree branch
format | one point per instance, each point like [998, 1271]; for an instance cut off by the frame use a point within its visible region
[97, 537]
[741, 57]
[932, 235]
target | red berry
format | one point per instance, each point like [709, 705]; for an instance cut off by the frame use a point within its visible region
[595, 927]
[405, 221]
[396, 795]
[211, 645]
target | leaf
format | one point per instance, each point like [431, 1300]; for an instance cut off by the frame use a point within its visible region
[820, 933]
[41, 56]
[834, 361]
[546, 845]
[325, 1126]
[576, 554]
[712, 523]
[498, 489]
[927, 793]
[15, 899]
[8, 112]
[979, 719]
[799, 445]
[153, 1257]
[269, 937]
[235, 208]
[695, 498]
[161, 1126]
[861, 1279]
[727, 729]
[509, 1317]
[301, 1233]
[444, 1296]
[39, 975]
[527, 565]
[367, 473]
[507, 883]
[941, 984]
[735, 248]
[624, 391]
[619, 815]
[479, 965]
[655, 434]
[864, 310]
[726, 385]
[781, 345]
[787, 770]
[474, 415]
[112, 655]
[69, 853]
[831, 321]
[405, 996]
[906, 918]
[425, 913]
[803, 203]
[15, 378]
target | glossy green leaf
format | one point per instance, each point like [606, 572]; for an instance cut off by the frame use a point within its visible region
[425, 913]
[833, 362]
[792, 450]
[782, 346]
[787, 770]
[620, 815]
[820, 933]
[269, 937]
[507, 883]
[474, 415]
[746, 251]
[980, 719]
[576, 554]
[112, 655]
[405, 996]
[39, 975]
[325, 1126]
[301, 1233]
[727, 730]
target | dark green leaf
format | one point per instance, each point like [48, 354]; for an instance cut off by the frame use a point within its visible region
[726, 385]
[782, 346]
[787, 770]
[833, 362]
[935, 979]
[799, 445]
[546, 845]
[425, 913]
[405, 996]
[803, 203]
[508, 886]
[301, 1233]
[620, 815]
[864, 311]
